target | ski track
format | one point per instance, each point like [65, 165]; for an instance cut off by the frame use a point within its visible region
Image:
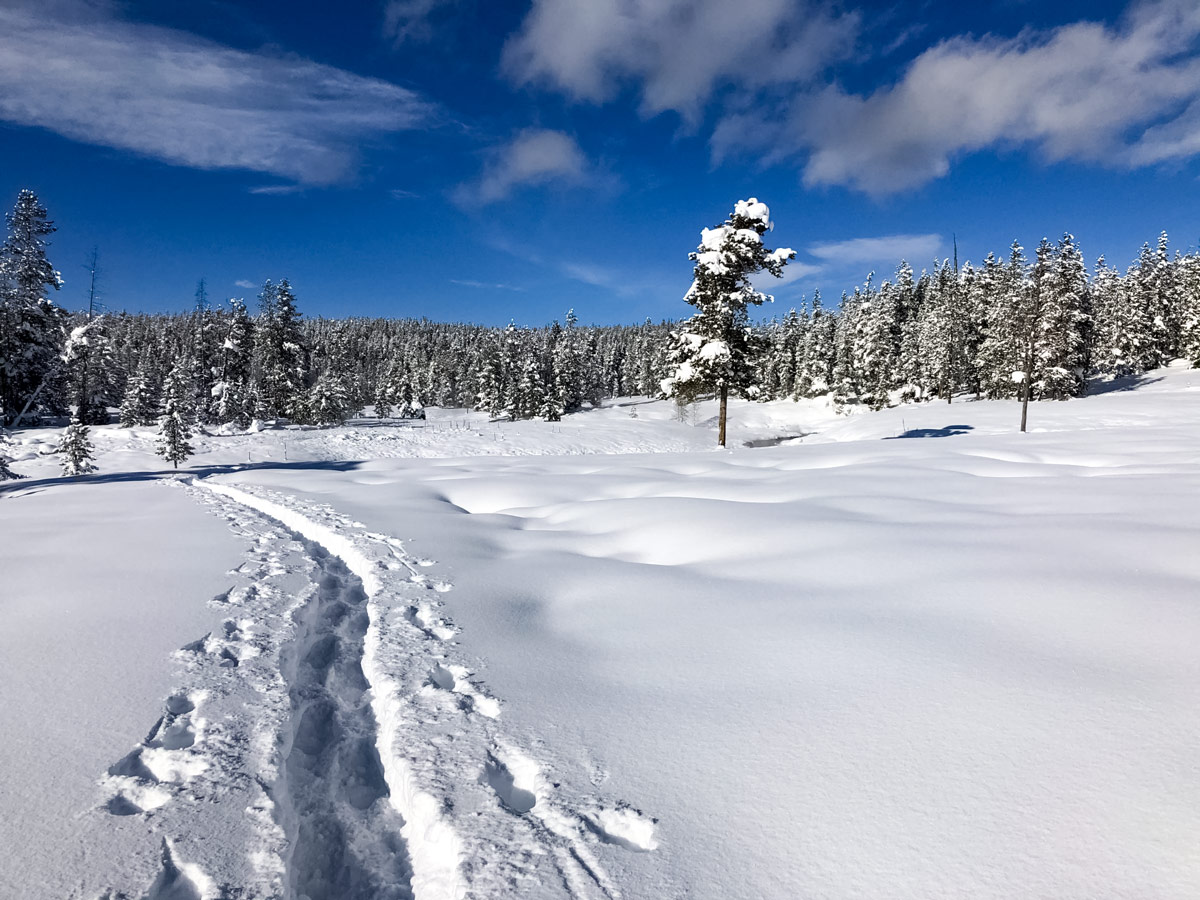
[392, 776]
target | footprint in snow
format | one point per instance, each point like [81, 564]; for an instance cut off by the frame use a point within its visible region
[625, 827]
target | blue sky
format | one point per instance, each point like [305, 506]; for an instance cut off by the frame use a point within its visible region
[482, 160]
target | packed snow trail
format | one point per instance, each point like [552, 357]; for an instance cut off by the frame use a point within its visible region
[481, 818]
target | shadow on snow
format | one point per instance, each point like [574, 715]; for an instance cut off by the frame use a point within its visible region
[28, 484]
[945, 431]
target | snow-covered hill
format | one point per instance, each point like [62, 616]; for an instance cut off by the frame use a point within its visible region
[602, 658]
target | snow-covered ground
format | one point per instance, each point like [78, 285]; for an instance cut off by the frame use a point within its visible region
[601, 658]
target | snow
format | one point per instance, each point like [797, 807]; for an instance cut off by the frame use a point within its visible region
[603, 658]
[753, 209]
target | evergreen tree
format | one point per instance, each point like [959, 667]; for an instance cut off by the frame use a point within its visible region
[490, 393]
[940, 338]
[328, 403]
[713, 350]
[76, 449]
[6, 473]
[383, 400]
[231, 391]
[279, 346]
[1065, 324]
[31, 326]
[814, 373]
[138, 407]
[531, 392]
[175, 427]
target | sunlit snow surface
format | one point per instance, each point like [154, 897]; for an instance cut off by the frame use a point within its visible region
[473, 661]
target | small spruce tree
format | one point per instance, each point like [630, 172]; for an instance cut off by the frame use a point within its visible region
[175, 429]
[76, 449]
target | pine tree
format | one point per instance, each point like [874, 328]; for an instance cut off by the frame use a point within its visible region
[490, 392]
[1065, 324]
[328, 403]
[31, 326]
[175, 427]
[6, 473]
[531, 392]
[138, 407]
[76, 449]
[383, 400]
[875, 347]
[940, 338]
[280, 349]
[713, 349]
[814, 372]
[231, 391]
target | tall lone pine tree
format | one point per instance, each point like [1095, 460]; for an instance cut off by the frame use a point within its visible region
[713, 351]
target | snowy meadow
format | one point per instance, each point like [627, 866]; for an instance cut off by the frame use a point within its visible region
[601, 658]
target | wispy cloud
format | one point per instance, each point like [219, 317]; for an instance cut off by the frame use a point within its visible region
[245, 284]
[277, 190]
[534, 157]
[466, 282]
[916, 248]
[410, 20]
[72, 68]
[1125, 95]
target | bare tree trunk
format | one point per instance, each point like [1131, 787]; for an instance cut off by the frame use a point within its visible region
[1026, 387]
[724, 411]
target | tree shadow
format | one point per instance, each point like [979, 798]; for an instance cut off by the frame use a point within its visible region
[945, 431]
[32, 484]
[1129, 383]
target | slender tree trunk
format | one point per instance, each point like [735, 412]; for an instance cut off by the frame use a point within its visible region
[1026, 386]
[724, 411]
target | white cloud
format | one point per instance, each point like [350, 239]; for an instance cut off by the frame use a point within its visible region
[245, 284]
[408, 20]
[679, 51]
[589, 273]
[534, 157]
[1082, 91]
[483, 284]
[277, 190]
[166, 94]
[915, 248]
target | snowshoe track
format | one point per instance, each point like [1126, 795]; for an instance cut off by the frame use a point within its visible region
[368, 759]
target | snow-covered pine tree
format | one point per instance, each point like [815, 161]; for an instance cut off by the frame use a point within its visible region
[531, 391]
[1188, 280]
[875, 346]
[814, 370]
[6, 473]
[175, 427]
[139, 406]
[76, 449]
[490, 393]
[712, 351]
[230, 393]
[31, 326]
[1011, 324]
[1061, 357]
[328, 403]
[279, 347]
[383, 401]
[939, 337]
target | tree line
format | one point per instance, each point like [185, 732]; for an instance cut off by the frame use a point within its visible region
[1035, 328]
